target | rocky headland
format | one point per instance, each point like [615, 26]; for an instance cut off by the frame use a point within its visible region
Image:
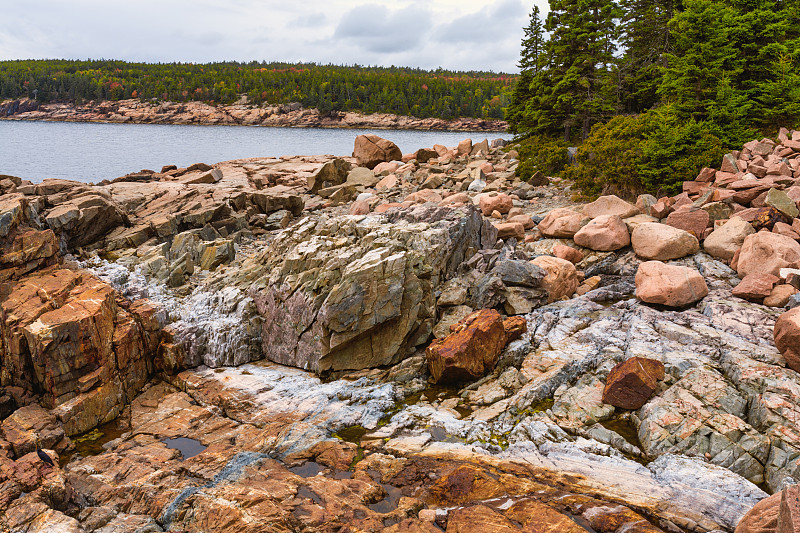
[401, 342]
[134, 111]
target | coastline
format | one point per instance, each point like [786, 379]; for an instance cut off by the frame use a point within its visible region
[133, 111]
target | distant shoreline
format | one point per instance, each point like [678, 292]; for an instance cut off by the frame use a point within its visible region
[134, 111]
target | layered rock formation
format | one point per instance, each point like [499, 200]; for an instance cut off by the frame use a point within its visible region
[138, 112]
[269, 334]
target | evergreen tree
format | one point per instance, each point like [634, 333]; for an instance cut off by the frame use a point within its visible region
[532, 43]
[573, 87]
[646, 39]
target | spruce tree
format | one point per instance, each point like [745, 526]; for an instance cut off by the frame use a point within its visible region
[532, 43]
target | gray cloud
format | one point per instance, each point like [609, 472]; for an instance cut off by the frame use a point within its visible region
[454, 34]
[381, 30]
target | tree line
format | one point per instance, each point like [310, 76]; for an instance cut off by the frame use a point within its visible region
[402, 91]
[653, 90]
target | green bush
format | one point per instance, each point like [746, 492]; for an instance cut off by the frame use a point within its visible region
[654, 152]
[540, 153]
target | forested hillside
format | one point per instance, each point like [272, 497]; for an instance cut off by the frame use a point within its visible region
[402, 91]
[653, 90]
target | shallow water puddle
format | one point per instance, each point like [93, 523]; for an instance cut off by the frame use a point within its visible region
[187, 447]
[307, 469]
[93, 442]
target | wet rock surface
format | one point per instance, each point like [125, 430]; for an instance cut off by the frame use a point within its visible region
[235, 347]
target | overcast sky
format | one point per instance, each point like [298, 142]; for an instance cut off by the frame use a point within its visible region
[454, 34]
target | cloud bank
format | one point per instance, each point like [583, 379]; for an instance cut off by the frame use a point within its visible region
[453, 34]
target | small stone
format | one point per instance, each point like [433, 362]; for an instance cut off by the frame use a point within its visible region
[507, 230]
[515, 327]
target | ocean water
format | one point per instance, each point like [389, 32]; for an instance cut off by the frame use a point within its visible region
[91, 152]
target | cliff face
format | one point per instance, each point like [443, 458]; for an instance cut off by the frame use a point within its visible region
[286, 115]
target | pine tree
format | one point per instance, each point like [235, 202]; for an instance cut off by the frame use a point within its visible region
[532, 44]
[574, 87]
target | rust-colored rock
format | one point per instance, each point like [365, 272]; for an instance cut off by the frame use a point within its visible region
[631, 383]
[479, 518]
[470, 351]
[537, 517]
[515, 327]
[787, 337]
[369, 150]
[763, 517]
[789, 514]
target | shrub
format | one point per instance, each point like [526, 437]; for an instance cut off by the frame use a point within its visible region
[540, 153]
[654, 152]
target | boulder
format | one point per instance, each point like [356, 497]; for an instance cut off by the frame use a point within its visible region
[84, 219]
[68, 339]
[464, 147]
[780, 296]
[763, 517]
[782, 202]
[767, 253]
[604, 233]
[562, 223]
[787, 337]
[30, 427]
[423, 155]
[728, 238]
[660, 242]
[370, 150]
[670, 285]
[561, 279]
[519, 272]
[755, 287]
[567, 252]
[470, 351]
[380, 274]
[789, 514]
[363, 177]
[489, 202]
[694, 221]
[610, 205]
[330, 174]
[506, 230]
[631, 383]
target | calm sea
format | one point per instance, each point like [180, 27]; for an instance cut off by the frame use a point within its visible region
[91, 152]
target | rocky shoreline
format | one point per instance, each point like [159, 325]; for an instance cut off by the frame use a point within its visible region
[134, 111]
[400, 342]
